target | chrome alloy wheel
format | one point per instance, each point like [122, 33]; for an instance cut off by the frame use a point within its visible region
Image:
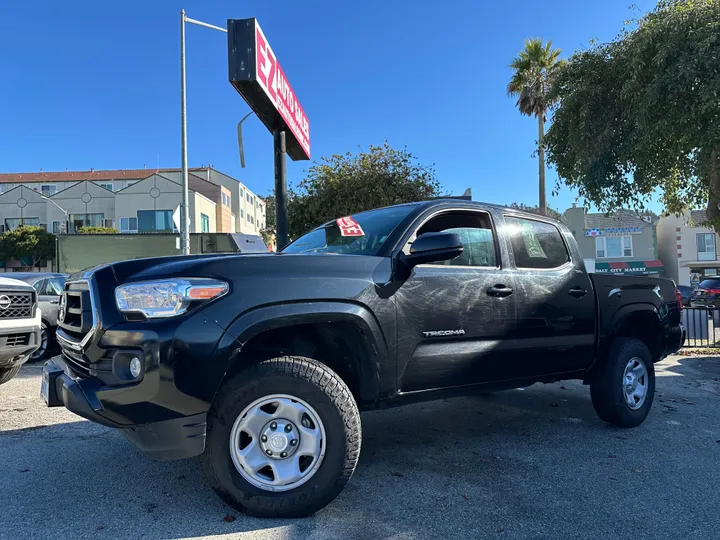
[635, 383]
[277, 443]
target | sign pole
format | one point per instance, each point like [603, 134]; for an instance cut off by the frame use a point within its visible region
[280, 149]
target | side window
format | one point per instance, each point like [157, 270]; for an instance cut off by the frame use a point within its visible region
[475, 232]
[536, 244]
[54, 286]
[39, 286]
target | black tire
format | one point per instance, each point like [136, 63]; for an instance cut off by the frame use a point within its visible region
[39, 353]
[8, 373]
[324, 391]
[607, 389]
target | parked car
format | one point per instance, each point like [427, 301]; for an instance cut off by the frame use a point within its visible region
[49, 287]
[260, 363]
[686, 292]
[19, 326]
[707, 294]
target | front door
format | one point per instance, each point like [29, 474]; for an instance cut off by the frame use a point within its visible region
[556, 316]
[455, 319]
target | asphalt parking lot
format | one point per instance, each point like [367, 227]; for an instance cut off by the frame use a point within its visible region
[533, 463]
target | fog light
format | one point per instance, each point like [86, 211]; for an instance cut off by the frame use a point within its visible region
[135, 367]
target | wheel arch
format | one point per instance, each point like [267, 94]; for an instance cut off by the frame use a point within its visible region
[636, 321]
[345, 337]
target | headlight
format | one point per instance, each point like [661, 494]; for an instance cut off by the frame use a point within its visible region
[167, 297]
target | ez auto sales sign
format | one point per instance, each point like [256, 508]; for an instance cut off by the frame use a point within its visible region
[256, 74]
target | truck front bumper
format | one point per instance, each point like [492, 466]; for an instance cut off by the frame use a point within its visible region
[174, 438]
[18, 339]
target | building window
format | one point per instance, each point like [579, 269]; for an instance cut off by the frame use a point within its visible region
[252, 220]
[613, 247]
[242, 193]
[155, 221]
[248, 218]
[128, 225]
[77, 221]
[706, 247]
[107, 185]
[226, 199]
[204, 223]
[13, 223]
[56, 227]
[242, 213]
[130, 183]
[48, 189]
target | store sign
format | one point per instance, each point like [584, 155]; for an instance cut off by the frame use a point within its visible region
[614, 231]
[626, 270]
[254, 71]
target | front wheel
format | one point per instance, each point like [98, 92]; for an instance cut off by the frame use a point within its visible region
[8, 373]
[283, 438]
[622, 391]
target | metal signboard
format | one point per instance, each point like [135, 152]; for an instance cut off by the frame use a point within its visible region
[254, 71]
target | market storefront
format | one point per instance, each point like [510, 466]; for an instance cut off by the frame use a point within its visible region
[651, 268]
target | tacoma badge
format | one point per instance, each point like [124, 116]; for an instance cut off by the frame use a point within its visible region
[440, 333]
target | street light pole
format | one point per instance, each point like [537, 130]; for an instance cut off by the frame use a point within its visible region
[184, 232]
[184, 208]
[57, 240]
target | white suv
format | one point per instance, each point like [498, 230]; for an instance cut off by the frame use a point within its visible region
[19, 326]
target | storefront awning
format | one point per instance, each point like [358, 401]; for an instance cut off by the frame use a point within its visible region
[632, 268]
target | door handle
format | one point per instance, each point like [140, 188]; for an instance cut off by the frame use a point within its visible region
[54, 301]
[499, 291]
[577, 292]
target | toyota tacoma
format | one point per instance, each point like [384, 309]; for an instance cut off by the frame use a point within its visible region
[260, 364]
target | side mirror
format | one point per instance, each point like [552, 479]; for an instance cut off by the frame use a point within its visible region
[432, 247]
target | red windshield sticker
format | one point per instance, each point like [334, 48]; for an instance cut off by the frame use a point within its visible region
[349, 227]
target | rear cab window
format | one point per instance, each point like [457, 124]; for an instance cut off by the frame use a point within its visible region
[536, 244]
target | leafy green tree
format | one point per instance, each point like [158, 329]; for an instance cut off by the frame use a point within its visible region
[29, 242]
[639, 116]
[88, 229]
[533, 70]
[345, 184]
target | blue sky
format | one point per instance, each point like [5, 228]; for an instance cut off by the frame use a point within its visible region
[96, 84]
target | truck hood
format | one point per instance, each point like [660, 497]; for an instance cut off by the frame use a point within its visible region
[241, 266]
[14, 284]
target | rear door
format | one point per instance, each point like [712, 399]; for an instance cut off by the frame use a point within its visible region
[556, 305]
[455, 319]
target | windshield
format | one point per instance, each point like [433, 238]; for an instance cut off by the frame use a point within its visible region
[375, 227]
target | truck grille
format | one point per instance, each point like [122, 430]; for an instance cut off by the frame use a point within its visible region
[15, 305]
[76, 316]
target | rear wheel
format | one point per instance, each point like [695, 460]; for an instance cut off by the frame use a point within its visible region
[622, 391]
[8, 373]
[283, 438]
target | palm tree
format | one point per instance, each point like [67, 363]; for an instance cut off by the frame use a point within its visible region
[533, 70]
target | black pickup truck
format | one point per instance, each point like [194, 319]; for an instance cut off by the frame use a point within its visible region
[260, 364]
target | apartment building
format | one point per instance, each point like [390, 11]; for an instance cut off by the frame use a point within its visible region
[137, 200]
[620, 243]
[688, 247]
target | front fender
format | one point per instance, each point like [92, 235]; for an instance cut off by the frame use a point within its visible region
[377, 371]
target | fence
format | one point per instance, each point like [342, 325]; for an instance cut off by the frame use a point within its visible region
[702, 326]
